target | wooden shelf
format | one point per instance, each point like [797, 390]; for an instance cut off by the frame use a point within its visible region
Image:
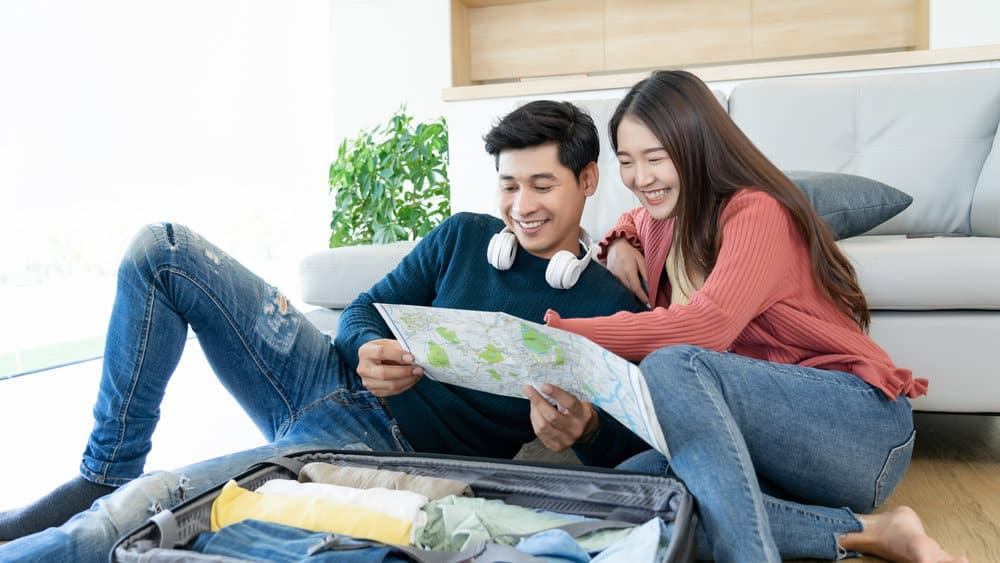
[509, 40]
[745, 71]
[482, 3]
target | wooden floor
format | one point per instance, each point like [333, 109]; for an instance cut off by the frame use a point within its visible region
[954, 483]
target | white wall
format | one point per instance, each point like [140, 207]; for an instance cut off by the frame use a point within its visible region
[964, 23]
[115, 113]
[387, 52]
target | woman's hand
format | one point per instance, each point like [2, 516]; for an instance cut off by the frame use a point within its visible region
[629, 266]
[386, 369]
[559, 427]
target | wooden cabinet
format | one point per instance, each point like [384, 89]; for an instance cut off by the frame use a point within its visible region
[651, 33]
[536, 39]
[508, 40]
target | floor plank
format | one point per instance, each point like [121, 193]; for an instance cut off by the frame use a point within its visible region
[954, 483]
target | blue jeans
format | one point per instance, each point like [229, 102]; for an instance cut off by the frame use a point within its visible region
[283, 371]
[778, 457]
[265, 541]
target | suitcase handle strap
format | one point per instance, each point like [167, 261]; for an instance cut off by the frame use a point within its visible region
[579, 529]
[288, 463]
[166, 523]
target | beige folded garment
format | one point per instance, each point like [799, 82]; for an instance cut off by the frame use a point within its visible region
[394, 503]
[363, 478]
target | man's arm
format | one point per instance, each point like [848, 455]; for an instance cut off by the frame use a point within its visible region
[386, 369]
[412, 282]
[595, 436]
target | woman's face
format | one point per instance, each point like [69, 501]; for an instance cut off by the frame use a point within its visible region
[647, 169]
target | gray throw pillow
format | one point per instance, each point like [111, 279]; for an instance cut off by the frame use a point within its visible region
[850, 204]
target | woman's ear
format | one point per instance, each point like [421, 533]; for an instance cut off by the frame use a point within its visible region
[589, 177]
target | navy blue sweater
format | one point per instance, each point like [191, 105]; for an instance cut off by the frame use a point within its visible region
[448, 268]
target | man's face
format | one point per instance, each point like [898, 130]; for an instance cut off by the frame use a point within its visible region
[541, 200]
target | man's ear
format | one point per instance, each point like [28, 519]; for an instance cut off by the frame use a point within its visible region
[589, 177]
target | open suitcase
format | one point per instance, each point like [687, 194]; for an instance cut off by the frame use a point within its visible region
[597, 493]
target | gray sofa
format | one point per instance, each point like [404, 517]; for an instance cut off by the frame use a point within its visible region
[931, 274]
[935, 297]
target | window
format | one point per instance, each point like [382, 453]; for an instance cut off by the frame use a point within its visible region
[116, 114]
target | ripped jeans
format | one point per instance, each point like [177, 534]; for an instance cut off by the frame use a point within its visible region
[283, 371]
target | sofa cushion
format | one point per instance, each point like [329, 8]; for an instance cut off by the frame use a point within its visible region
[334, 277]
[927, 134]
[901, 273]
[850, 204]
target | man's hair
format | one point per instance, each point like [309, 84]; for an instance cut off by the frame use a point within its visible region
[546, 121]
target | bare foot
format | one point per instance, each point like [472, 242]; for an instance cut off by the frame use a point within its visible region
[897, 535]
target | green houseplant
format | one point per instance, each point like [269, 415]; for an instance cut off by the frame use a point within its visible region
[390, 183]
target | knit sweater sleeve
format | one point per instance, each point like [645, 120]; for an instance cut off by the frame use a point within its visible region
[759, 240]
[412, 282]
[625, 228]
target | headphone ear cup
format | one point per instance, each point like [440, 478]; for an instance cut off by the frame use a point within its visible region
[563, 270]
[501, 250]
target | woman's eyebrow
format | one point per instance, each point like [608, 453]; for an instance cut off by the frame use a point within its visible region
[645, 151]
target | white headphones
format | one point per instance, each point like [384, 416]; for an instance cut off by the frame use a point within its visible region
[564, 268]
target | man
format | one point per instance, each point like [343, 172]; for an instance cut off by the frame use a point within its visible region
[363, 392]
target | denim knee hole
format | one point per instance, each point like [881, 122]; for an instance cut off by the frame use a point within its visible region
[278, 323]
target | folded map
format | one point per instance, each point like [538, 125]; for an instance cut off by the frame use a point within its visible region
[500, 353]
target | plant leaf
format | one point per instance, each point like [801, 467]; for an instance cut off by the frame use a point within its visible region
[390, 182]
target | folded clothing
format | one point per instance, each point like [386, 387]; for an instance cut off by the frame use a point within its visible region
[235, 504]
[404, 505]
[363, 478]
[458, 523]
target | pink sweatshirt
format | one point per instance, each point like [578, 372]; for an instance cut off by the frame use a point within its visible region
[760, 301]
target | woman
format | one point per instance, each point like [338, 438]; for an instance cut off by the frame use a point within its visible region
[782, 416]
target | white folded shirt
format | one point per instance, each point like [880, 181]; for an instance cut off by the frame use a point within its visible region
[404, 505]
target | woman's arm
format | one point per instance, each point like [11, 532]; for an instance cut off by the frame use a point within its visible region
[621, 251]
[760, 247]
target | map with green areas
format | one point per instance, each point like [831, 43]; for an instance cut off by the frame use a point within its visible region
[499, 353]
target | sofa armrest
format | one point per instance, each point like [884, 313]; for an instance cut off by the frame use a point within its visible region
[334, 277]
[326, 320]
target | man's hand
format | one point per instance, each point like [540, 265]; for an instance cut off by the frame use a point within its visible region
[560, 427]
[386, 369]
[628, 265]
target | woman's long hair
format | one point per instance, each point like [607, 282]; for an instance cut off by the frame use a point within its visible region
[714, 159]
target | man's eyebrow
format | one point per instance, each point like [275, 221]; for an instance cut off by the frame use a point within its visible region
[539, 176]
